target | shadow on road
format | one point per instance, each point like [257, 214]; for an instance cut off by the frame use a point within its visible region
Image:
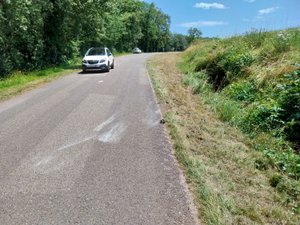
[91, 72]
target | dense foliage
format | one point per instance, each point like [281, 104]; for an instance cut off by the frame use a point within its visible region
[39, 33]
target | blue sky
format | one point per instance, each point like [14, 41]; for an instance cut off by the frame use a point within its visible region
[221, 18]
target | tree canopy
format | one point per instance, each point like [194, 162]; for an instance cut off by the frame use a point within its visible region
[193, 34]
[40, 33]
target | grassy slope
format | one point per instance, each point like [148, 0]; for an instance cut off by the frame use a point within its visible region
[217, 159]
[260, 74]
[259, 93]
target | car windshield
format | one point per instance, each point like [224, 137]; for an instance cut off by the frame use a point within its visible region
[96, 51]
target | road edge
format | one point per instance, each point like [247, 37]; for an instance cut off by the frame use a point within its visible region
[183, 181]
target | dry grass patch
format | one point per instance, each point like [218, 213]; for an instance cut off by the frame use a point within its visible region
[217, 161]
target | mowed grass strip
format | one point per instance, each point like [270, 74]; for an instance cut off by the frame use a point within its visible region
[218, 163]
[19, 82]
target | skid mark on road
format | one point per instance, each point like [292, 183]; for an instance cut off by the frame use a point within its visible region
[44, 161]
[75, 143]
[57, 162]
[111, 130]
[105, 123]
[51, 160]
[60, 157]
[114, 134]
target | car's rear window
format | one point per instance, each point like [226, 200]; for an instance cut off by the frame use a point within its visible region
[96, 51]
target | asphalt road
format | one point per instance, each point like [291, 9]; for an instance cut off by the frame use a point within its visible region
[89, 149]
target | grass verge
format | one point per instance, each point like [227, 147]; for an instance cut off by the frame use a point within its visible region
[18, 82]
[219, 162]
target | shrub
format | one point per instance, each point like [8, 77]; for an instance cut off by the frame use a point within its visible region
[289, 100]
[279, 154]
[235, 60]
[242, 91]
[216, 74]
[262, 116]
[226, 66]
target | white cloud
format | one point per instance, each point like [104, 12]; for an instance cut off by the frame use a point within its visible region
[203, 24]
[267, 10]
[203, 5]
[261, 14]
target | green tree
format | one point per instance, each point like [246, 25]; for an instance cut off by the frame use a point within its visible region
[156, 29]
[22, 33]
[193, 34]
[179, 42]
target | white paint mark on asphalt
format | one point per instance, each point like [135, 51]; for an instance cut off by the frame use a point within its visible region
[47, 160]
[44, 161]
[74, 144]
[105, 123]
[100, 81]
[114, 134]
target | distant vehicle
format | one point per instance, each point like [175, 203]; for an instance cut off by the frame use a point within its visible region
[136, 51]
[99, 58]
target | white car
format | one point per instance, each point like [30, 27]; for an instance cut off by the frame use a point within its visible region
[136, 51]
[99, 58]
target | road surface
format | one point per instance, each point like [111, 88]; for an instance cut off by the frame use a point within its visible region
[89, 149]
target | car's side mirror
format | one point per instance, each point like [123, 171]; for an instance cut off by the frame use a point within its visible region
[109, 54]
